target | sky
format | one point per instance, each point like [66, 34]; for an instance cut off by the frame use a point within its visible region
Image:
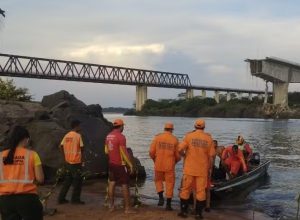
[207, 39]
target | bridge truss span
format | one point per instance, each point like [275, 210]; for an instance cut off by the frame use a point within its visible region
[33, 67]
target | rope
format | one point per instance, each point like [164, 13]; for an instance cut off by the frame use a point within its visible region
[60, 173]
[137, 198]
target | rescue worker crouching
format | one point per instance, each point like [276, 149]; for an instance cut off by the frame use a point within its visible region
[198, 149]
[165, 155]
[20, 169]
[120, 165]
[233, 159]
[72, 148]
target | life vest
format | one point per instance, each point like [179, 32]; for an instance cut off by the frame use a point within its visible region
[17, 178]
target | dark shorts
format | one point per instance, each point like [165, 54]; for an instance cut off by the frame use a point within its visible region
[118, 174]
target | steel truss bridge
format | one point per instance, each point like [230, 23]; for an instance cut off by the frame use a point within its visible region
[54, 69]
[41, 68]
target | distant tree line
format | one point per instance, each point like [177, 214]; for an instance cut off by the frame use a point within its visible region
[208, 107]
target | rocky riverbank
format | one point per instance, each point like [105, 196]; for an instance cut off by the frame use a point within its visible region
[49, 121]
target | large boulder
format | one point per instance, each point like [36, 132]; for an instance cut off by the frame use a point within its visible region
[64, 108]
[49, 121]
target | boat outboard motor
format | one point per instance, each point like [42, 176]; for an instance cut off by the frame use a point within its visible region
[255, 159]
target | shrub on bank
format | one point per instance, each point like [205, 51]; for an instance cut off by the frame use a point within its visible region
[8, 91]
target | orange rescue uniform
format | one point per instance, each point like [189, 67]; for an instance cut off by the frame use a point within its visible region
[199, 150]
[234, 161]
[72, 145]
[164, 153]
[18, 178]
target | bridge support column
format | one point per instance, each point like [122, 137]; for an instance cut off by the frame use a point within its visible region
[260, 96]
[189, 93]
[141, 97]
[228, 96]
[203, 94]
[265, 98]
[280, 93]
[250, 96]
[217, 96]
[239, 95]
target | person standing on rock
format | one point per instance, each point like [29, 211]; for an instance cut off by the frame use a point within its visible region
[164, 153]
[20, 169]
[120, 165]
[72, 147]
[198, 150]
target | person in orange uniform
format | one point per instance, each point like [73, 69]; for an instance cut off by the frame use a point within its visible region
[233, 158]
[120, 165]
[20, 170]
[72, 147]
[164, 153]
[245, 148]
[198, 149]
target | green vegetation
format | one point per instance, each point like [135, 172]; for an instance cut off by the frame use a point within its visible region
[294, 99]
[201, 107]
[8, 91]
[207, 107]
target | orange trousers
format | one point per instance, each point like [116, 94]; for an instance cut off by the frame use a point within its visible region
[168, 178]
[233, 165]
[197, 183]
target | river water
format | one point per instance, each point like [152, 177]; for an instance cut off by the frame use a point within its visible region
[276, 140]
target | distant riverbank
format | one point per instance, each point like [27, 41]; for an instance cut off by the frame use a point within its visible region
[198, 107]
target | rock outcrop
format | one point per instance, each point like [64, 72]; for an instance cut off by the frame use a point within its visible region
[49, 121]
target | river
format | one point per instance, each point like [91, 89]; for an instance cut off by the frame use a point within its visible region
[276, 140]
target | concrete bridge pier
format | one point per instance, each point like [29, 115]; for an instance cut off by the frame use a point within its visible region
[217, 96]
[228, 96]
[141, 97]
[260, 96]
[189, 93]
[265, 99]
[239, 95]
[280, 93]
[203, 94]
[250, 96]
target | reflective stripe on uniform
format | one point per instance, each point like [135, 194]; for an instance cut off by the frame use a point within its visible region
[16, 181]
[73, 152]
[26, 171]
[1, 166]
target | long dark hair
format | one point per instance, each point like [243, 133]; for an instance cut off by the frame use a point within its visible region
[18, 134]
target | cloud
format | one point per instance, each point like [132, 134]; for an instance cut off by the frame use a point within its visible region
[121, 50]
[208, 40]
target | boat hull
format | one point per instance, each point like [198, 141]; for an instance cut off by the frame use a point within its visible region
[233, 187]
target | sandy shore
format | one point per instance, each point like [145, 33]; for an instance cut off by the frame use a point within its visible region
[94, 209]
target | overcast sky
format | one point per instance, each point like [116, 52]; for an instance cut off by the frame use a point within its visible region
[207, 39]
